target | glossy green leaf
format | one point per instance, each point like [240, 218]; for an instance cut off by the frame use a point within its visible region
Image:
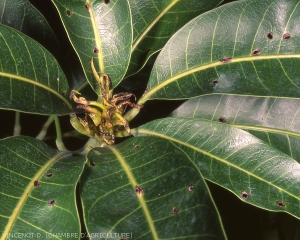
[22, 16]
[114, 205]
[37, 190]
[99, 30]
[236, 160]
[272, 119]
[31, 80]
[155, 21]
[260, 39]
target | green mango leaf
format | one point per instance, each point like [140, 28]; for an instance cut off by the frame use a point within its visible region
[155, 21]
[101, 31]
[248, 47]
[236, 160]
[24, 17]
[146, 188]
[272, 119]
[31, 80]
[37, 190]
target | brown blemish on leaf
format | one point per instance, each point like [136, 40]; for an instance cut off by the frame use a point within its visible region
[93, 164]
[245, 195]
[222, 119]
[51, 203]
[191, 188]
[36, 183]
[69, 12]
[286, 36]
[175, 210]
[270, 35]
[87, 6]
[96, 50]
[256, 52]
[280, 204]
[225, 60]
[139, 190]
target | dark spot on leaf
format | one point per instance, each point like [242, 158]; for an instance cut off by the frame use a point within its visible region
[106, 1]
[270, 35]
[222, 119]
[191, 188]
[286, 36]
[36, 183]
[245, 195]
[280, 204]
[225, 60]
[136, 146]
[49, 175]
[256, 52]
[51, 203]
[93, 164]
[87, 6]
[215, 81]
[139, 190]
[96, 50]
[175, 210]
[69, 13]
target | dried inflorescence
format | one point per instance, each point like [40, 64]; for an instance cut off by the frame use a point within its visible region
[103, 117]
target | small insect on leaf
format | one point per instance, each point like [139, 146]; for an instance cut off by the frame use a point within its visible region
[49, 175]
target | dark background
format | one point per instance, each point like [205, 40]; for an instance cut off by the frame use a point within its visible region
[240, 220]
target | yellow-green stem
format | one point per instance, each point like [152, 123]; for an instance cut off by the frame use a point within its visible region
[59, 142]
[43, 132]
[17, 127]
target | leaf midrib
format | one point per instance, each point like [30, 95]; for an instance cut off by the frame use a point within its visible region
[171, 79]
[153, 133]
[265, 129]
[150, 26]
[253, 127]
[25, 194]
[16, 77]
[97, 39]
[134, 183]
